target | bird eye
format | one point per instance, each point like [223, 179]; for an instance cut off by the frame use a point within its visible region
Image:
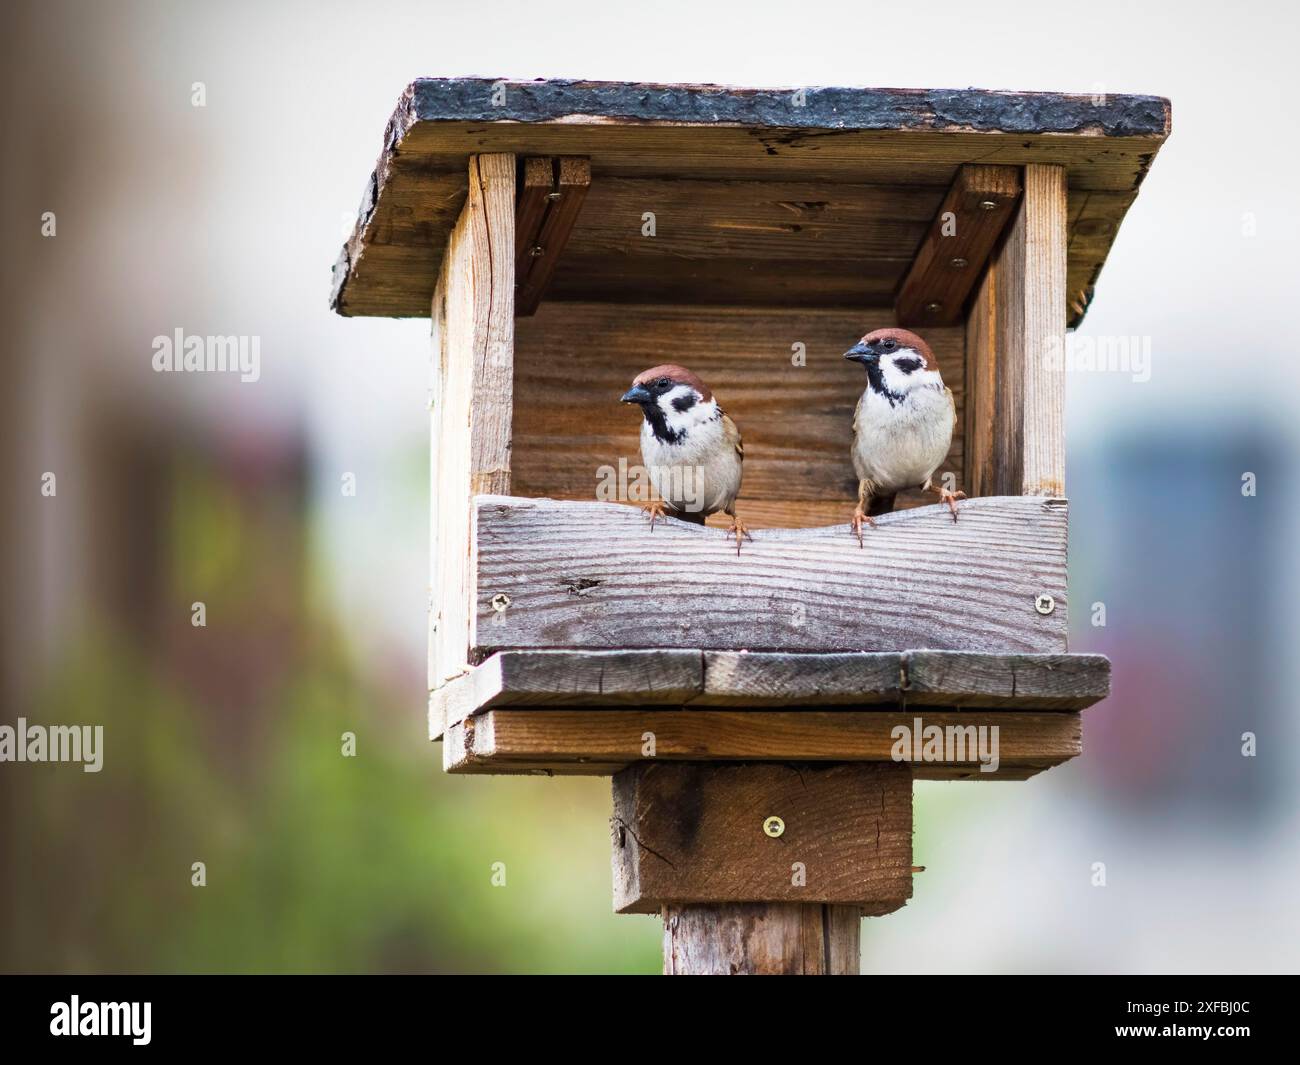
[663, 382]
[889, 345]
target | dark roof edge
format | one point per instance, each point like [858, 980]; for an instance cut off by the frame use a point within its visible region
[979, 110]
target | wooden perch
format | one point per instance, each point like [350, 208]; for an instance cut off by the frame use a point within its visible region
[556, 574]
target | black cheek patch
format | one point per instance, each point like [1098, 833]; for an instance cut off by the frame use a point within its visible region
[909, 365]
[684, 403]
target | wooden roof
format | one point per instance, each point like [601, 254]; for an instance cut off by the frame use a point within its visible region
[812, 197]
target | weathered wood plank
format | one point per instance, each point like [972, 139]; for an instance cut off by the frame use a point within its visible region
[573, 361]
[695, 833]
[762, 939]
[535, 188]
[538, 680]
[757, 678]
[569, 678]
[473, 344]
[546, 249]
[979, 415]
[1029, 393]
[922, 580]
[951, 259]
[1047, 682]
[565, 740]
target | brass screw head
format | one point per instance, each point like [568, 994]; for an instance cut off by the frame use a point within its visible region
[536, 251]
[934, 307]
[958, 263]
[774, 826]
[1044, 604]
[988, 205]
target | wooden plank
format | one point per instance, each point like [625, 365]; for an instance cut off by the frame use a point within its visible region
[569, 678]
[744, 242]
[762, 939]
[695, 833]
[979, 416]
[757, 678]
[883, 137]
[1030, 305]
[923, 580]
[742, 680]
[1047, 682]
[951, 259]
[473, 343]
[542, 257]
[591, 740]
[535, 188]
[779, 373]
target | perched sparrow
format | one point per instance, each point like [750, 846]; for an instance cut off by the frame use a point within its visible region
[902, 429]
[691, 449]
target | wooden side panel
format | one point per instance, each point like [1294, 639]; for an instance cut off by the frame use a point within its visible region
[981, 385]
[695, 833]
[594, 575]
[779, 373]
[1015, 331]
[762, 939]
[473, 344]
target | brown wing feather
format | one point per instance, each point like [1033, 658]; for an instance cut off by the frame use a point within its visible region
[733, 434]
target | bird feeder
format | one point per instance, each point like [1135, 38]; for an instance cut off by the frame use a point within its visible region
[762, 714]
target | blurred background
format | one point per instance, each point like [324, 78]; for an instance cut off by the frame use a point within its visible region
[223, 742]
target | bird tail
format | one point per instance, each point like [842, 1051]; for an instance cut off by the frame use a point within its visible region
[880, 505]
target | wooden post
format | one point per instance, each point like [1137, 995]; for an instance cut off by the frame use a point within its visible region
[762, 939]
[473, 380]
[1015, 396]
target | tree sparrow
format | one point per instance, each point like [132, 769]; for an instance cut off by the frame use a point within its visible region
[902, 428]
[690, 448]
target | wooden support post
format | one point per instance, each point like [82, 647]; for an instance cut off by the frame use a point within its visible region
[977, 210]
[1015, 387]
[549, 202]
[762, 939]
[473, 380]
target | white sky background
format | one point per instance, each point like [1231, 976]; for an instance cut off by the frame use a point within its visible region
[298, 97]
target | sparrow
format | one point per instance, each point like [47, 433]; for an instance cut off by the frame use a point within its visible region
[691, 449]
[902, 428]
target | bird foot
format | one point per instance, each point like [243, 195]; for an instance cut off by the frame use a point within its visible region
[860, 517]
[951, 498]
[654, 510]
[739, 531]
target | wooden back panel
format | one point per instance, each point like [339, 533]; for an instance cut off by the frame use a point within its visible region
[574, 360]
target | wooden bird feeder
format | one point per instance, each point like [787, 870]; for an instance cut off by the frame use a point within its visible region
[564, 236]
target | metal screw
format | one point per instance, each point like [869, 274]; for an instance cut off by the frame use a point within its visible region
[500, 601]
[536, 251]
[553, 196]
[934, 308]
[774, 826]
[988, 205]
[1044, 604]
[958, 263]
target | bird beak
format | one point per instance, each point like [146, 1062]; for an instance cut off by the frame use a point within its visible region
[636, 394]
[860, 353]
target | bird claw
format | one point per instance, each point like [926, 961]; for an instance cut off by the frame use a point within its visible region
[951, 498]
[738, 530]
[860, 517]
[654, 510]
